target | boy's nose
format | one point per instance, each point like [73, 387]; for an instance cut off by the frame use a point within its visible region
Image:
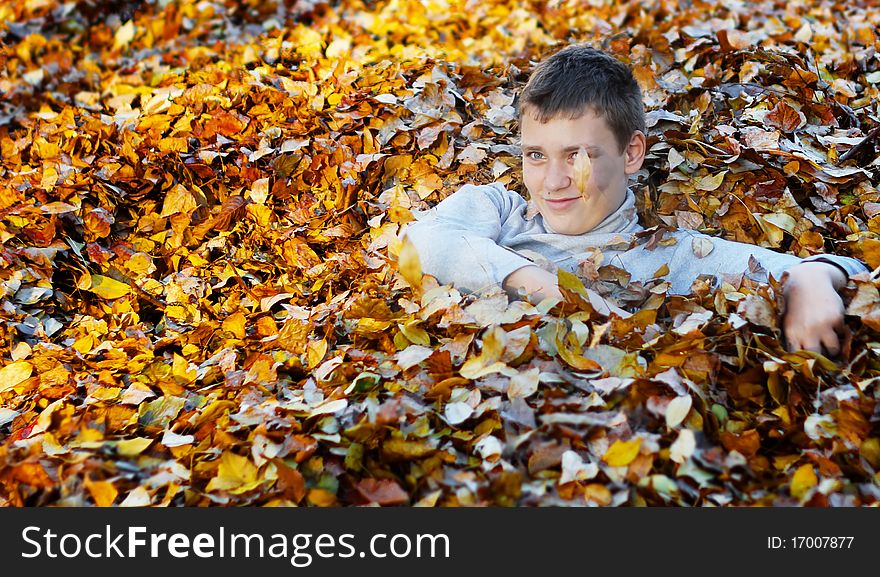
[557, 179]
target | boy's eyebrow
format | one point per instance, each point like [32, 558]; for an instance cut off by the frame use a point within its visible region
[566, 149]
[589, 148]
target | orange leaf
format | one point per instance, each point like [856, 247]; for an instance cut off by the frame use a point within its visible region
[290, 482]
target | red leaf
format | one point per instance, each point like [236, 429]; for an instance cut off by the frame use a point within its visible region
[786, 118]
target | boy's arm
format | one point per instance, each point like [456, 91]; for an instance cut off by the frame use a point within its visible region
[814, 309]
[457, 244]
[457, 240]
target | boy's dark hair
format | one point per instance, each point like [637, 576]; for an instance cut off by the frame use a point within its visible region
[578, 77]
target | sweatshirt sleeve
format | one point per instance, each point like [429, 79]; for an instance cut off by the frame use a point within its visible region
[457, 240]
[730, 257]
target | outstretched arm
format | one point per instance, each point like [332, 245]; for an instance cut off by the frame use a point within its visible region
[457, 240]
[814, 309]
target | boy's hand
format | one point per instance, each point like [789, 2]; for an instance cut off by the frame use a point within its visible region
[814, 309]
[541, 284]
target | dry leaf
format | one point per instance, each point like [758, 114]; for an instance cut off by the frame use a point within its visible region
[14, 373]
[108, 288]
[622, 453]
[677, 409]
[702, 246]
[683, 447]
[583, 170]
[803, 480]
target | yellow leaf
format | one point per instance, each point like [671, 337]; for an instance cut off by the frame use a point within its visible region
[662, 271]
[403, 450]
[84, 344]
[870, 251]
[415, 334]
[235, 324]
[575, 358]
[583, 169]
[315, 352]
[409, 265]
[139, 263]
[180, 369]
[178, 200]
[235, 474]
[622, 453]
[803, 480]
[132, 447]
[487, 361]
[173, 144]
[84, 281]
[870, 450]
[572, 283]
[14, 373]
[712, 182]
[108, 288]
[774, 233]
[103, 492]
[321, 498]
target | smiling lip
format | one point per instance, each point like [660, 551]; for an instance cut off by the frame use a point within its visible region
[560, 203]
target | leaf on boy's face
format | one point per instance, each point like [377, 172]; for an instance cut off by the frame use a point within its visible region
[583, 169]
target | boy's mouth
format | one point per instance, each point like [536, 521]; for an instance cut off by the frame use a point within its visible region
[561, 202]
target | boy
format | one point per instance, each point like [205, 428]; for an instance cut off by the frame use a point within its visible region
[578, 101]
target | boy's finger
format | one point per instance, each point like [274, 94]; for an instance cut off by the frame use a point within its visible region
[810, 344]
[795, 344]
[831, 343]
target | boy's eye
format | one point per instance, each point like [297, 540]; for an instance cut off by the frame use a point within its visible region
[534, 155]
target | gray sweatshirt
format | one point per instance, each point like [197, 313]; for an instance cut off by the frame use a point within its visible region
[477, 236]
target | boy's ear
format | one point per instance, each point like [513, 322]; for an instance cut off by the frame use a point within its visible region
[635, 152]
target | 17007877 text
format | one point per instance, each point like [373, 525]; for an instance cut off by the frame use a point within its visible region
[798, 542]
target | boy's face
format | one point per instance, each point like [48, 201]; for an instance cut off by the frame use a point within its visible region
[549, 151]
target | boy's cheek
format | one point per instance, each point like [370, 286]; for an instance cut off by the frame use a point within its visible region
[531, 180]
[604, 176]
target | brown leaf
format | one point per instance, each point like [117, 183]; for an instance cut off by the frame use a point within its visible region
[747, 443]
[381, 491]
[290, 482]
[785, 117]
[403, 450]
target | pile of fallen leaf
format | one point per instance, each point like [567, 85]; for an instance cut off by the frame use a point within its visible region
[205, 300]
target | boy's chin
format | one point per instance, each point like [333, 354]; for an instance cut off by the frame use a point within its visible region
[567, 228]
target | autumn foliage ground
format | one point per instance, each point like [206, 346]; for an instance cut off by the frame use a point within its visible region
[204, 300]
